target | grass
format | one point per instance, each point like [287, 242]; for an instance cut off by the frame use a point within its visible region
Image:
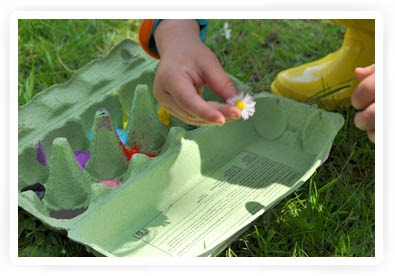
[50, 51]
[331, 215]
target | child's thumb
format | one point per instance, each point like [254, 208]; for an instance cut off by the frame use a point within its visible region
[219, 82]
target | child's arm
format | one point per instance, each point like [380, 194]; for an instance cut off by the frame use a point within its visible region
[186, 65]
[363, 99]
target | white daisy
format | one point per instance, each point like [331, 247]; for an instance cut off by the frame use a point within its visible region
[244, 102]
[227, 31]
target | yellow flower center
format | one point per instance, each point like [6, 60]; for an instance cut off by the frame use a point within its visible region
[240, 105]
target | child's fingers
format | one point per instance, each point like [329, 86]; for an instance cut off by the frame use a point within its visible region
[363, 72]
[218, 80]
[364, 93]
[170, 105]
[166, 101]
[371, 135]
[186, 97]
[230, 112]
[185, 117]
[364, 120]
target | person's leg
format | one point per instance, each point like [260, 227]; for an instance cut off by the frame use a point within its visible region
[331, 79]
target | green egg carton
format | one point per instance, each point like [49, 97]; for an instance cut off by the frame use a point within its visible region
[96, 162]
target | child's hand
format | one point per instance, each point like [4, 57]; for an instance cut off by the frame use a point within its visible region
[363, 99]
[186, 65]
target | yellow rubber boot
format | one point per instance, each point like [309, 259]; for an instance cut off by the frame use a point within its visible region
[330, 81]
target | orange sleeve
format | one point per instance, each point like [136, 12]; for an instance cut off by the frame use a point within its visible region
[145, 35]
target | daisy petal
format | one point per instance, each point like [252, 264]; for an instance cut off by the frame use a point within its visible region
[245, 103]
